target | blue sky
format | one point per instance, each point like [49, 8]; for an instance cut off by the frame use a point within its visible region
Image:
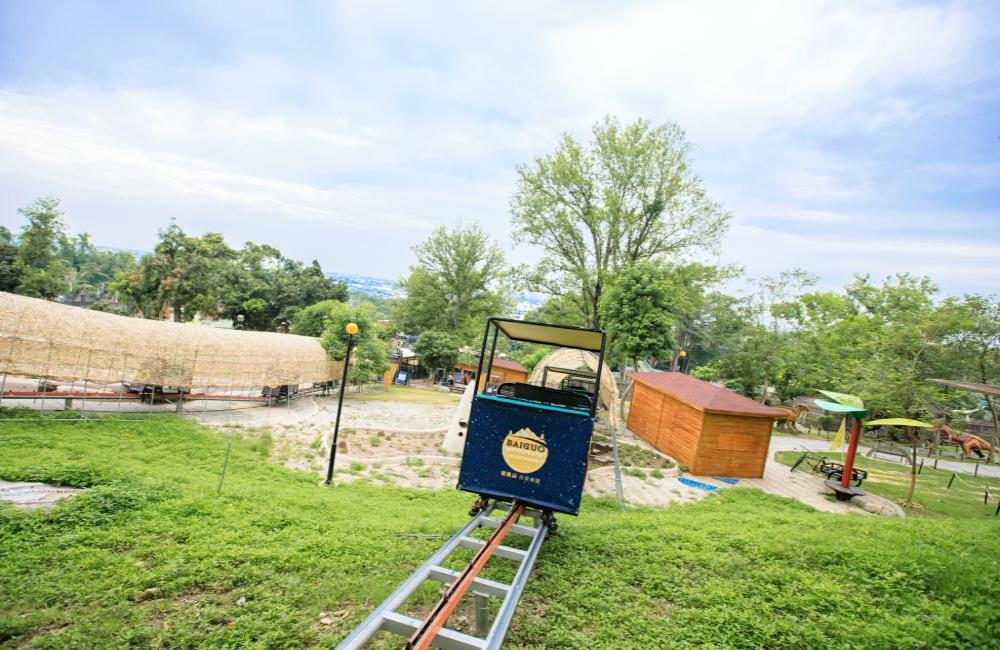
[844, 137]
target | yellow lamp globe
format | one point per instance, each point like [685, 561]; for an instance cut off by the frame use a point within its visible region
[352, 328]
[682, 354]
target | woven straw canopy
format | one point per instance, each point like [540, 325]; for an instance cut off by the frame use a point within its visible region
[51, 341]
[574, 359]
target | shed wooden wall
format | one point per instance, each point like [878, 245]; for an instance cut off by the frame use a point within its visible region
[500, 374]
[707, 443]
[670, 425]
[733, 445]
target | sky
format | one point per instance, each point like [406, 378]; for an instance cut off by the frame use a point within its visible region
[844, 137]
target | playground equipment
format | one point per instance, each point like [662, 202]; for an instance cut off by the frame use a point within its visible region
[831, 470]
[852, 407]
[525, 453]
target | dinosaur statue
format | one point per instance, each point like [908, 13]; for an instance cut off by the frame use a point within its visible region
[793, 413]
[968, 442]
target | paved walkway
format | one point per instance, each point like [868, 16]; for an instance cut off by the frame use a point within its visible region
[28, 496]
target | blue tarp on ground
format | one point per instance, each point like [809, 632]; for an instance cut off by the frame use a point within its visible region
[697, 484]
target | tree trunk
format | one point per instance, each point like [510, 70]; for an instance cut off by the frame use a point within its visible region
[913, 466]
[989, 404]
[763, 395]
[994, 435]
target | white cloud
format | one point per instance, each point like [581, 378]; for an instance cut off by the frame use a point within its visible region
[736, 70]
[389, 119]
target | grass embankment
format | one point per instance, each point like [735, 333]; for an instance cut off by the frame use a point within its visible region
[151, 557]
[932, 497]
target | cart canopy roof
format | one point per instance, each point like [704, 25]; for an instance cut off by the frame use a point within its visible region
[564, 336]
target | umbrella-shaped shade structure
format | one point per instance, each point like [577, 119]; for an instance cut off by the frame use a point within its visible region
[854, 408]
[898, 422]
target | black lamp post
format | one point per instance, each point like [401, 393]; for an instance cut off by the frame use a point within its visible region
[351, 330]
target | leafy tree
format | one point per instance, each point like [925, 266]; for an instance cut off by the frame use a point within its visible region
[557, 310]
[111, 308]
[976, 347]
[37, 262]
[183, 273]
[313, 320]
[268, 289]
[90, 272]
[437, 349]
[9, 276]
[368, 358]
[637, 311]
[598, 208]
[461, 276]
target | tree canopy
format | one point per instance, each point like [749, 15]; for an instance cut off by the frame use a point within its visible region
[597, 208]
[461, 276]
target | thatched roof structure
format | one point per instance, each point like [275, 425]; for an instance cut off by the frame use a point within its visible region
[579, 359]
[51, 341]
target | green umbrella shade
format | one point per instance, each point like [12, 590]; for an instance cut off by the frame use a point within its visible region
[840, 408]
[844, 398]
[898, 422]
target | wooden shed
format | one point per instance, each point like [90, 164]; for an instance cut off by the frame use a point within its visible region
[503, 370]
[713, 431]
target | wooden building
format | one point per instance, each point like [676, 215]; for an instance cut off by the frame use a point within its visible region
[503, 370]
[711, 430]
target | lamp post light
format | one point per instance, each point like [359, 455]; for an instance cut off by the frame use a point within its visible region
[351, 330]
[682, 361]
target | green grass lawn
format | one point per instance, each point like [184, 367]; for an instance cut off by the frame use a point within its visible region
[738, 569]
[410, 394]
[932, 496]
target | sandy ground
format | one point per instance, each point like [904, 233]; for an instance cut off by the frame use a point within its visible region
[399, 443]
[392, 441]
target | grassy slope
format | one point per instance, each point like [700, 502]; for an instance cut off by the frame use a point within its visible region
[932, 496]
[738, 569]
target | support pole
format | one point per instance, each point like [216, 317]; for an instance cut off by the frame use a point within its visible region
[852, 448]
[225, 463]
[340, 406]
[618, 468]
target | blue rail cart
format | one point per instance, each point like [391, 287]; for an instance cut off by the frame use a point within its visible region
[525, 457]
[528, 442]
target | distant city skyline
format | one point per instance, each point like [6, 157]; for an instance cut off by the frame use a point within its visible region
[844, 137]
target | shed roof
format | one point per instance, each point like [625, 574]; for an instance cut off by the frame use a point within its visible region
[703, 395]
[497, 363]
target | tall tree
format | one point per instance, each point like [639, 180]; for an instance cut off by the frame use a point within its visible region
[37, 263]
[182, 273]
[437, 349]
[977, 347]
[461, 276]
[9, 277]
[597, 208]
[637, 311]
[368, 358]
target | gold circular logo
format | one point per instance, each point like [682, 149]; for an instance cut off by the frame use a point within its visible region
[525, 451]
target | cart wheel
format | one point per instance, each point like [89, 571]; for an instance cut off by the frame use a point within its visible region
[549, 520]
[478, 506]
